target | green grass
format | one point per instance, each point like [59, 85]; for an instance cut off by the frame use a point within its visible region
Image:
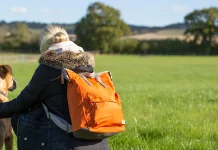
[170, 102]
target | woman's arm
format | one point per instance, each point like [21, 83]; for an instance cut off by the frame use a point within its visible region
[29, 95]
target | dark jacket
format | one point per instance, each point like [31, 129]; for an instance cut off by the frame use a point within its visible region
[46, 87]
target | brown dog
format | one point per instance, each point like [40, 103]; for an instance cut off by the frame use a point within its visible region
[7, 83]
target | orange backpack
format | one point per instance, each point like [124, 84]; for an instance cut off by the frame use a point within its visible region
[94, 106]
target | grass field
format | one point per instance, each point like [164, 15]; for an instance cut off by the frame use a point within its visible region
[170, 102]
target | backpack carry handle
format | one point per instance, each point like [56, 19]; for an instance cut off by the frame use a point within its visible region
[90, 75]
[99, 80]
[84, 78]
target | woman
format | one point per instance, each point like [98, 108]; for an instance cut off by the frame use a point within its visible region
[33, 129]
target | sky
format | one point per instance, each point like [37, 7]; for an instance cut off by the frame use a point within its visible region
[134, 12]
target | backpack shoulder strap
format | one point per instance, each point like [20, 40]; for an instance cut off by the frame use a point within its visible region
[61, 123]
[107, 72]
[64, 72]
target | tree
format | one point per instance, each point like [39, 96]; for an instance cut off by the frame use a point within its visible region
[203, 25]
[17, 36]
[99, 27]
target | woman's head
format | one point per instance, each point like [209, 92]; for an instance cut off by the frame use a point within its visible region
[52, 34]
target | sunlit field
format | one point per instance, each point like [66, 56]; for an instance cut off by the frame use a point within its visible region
[169, 102]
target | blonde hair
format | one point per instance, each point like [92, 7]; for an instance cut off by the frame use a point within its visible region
[52, 34]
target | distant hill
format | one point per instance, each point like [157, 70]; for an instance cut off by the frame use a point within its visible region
[146, 29]
[71, 27]
[38, 26]
[172, 31]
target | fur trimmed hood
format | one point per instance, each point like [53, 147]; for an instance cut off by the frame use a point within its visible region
[67, 59]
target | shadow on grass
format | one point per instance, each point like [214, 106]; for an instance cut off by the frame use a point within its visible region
[152, 134]
[212, 100]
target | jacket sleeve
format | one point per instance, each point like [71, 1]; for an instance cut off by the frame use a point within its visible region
[29, 95]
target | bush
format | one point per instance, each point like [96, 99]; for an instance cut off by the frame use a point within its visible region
[143, 48]
[125, 46]
[116, 46]
[170, 47]
[130, 46]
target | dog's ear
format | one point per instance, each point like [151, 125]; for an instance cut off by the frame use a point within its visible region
[5, 69]
[8, 68]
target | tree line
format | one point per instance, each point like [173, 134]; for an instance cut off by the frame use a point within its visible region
[102, 29]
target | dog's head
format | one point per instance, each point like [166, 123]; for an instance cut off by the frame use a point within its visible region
[7, 82]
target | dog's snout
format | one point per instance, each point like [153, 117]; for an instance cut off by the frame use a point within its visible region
[14, 83]
[14, 86]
